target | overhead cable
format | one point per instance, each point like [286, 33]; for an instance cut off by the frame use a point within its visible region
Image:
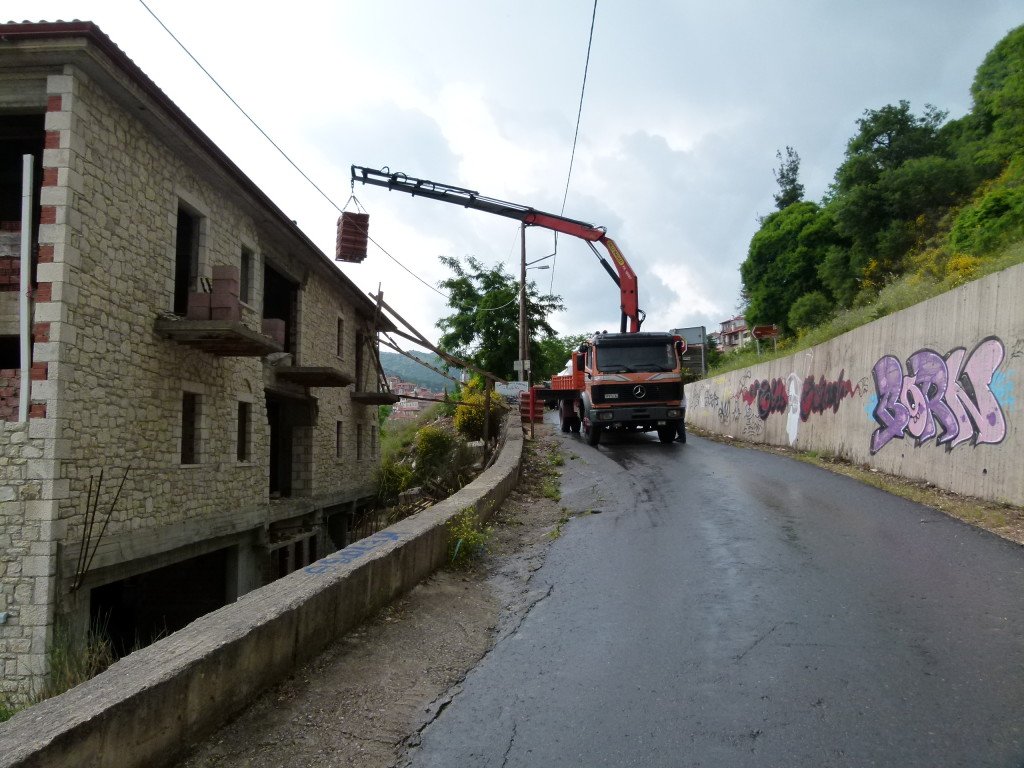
[275, 145]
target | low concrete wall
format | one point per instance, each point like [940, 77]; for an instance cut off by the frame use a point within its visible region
[148, 707]
[929, 393]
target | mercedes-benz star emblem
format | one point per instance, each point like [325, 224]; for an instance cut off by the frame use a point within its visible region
[639, 392]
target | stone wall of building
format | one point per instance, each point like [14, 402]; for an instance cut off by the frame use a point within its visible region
[114, 386]
[26, 562]
[352, 471]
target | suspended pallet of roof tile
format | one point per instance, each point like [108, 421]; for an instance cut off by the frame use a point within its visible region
[353, 231]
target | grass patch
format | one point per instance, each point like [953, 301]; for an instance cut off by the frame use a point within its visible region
[550, 489]
[467, 539]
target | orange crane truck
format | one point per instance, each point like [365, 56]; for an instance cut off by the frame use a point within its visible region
[629, 380]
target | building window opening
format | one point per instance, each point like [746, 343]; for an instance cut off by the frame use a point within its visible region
[280, 302]
[338, 439]
[245, 271]
[141, 609]
[189, 428]
[359, 441]
[244, 450]
[360, 342]
[10, 353]
[186, 258]
[20, 135]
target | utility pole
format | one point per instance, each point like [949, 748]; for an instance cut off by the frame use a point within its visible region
[524, 343]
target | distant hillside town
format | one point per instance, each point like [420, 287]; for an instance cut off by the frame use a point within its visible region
[415, 399]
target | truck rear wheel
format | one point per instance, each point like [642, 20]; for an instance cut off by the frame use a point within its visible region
[574, 424]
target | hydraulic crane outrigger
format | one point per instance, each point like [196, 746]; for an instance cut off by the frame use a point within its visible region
[623, 274]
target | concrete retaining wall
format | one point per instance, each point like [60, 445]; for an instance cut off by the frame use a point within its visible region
[149, 706]
[930, 393]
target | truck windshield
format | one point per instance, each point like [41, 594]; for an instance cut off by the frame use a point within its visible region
[632, 359]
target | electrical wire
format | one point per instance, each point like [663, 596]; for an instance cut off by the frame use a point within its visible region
[572, 155]
[278, 148]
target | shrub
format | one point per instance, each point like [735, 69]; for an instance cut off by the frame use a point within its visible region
[809, 310]
[392, 477]
[469, 417]
[434, 446]
[467, 539]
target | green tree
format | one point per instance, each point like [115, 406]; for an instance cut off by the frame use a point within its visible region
[887, 138]
[555, 352]
[484, 325]
[787, 176]
[997, 118]
[899, 178]
[782, 262]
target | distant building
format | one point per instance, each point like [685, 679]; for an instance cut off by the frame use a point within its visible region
[415, 399]
[733, 335]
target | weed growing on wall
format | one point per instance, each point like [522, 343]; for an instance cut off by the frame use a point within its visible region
[72, 663]
[467, 539]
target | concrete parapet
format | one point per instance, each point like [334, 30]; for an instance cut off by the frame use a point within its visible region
[149, 706]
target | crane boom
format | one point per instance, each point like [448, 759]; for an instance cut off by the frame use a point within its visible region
[622, 274]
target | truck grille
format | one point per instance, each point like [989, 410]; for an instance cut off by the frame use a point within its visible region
[623, 393]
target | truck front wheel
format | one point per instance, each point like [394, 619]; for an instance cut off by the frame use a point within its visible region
[592, 432]
[667, 433]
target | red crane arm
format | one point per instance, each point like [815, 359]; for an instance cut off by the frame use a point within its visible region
[623, 273]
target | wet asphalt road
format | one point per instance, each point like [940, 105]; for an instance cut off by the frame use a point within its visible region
[730, 607]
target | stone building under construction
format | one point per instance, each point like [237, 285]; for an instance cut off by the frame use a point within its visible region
[186, 341]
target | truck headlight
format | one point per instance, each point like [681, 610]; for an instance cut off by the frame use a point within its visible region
[673, 413]
[605, 416]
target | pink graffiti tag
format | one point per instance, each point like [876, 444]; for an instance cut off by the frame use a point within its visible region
[929, 398]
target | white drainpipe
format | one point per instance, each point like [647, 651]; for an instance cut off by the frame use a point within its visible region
[24, 305]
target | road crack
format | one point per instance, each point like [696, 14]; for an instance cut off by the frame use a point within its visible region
[757, 642]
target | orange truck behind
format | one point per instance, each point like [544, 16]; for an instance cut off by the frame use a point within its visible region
[622, 381]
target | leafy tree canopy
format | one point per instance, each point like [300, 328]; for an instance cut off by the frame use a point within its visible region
[889, 137]
[484, 325]
[787, 175]
[998, 92]
[781, 264]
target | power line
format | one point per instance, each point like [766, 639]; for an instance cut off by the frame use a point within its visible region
[576, 134]
[275, 145]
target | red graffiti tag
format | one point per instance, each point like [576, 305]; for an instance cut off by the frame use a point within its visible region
[770, 397]
[818, 397]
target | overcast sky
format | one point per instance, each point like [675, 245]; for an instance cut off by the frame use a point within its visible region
[686, 105]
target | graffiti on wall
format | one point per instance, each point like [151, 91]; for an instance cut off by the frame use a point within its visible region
[813, 397]
[952, 398]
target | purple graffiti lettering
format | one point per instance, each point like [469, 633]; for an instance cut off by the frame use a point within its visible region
[818, 397]
[928, 372]
[970, 397]
[893, 415]
[952, 393]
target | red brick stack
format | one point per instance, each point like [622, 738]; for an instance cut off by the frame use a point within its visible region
[222, 303]
[10, 255]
